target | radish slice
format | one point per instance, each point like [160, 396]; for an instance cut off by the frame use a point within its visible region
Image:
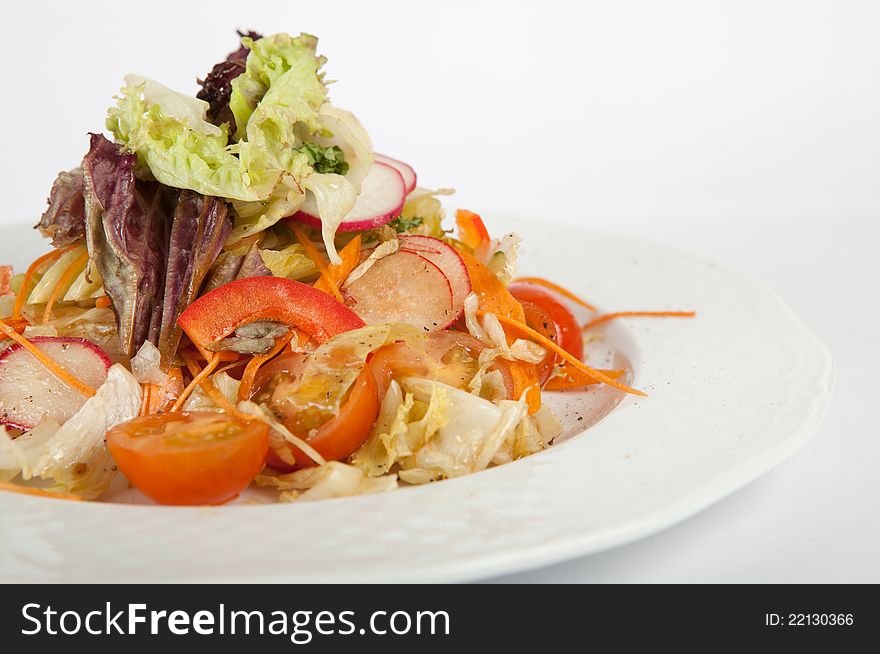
[405, 170]
[402, 287]
[28, 391]
[447, 260]
[381, 199]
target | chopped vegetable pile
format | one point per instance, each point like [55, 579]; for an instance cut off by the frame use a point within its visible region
[241, 293]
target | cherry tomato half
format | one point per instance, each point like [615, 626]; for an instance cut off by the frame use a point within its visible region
[339, 437]
[189, 458]
[571, 337]
[541, 322]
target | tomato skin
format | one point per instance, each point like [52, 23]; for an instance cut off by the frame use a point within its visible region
[193, 458]
[339, 437]
[571, 337]
[220, 312]
[540, 321]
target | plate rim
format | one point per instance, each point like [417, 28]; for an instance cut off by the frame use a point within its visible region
[579, 543]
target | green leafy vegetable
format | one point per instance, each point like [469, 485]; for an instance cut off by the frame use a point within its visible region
[404, 224]
[279, 67]
[290, 262]
[325, 160]
[276, 102]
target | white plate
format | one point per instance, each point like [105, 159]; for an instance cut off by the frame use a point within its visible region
[731, 393]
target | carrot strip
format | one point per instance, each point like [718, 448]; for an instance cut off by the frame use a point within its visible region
[196, 381]
[208, 387]
[339, 272]
[471, 229]
[146, 393]
[39, 492]
[570, 378]
[103, 301]
[492, 294]
[29, 275]
[50, 365]
[206, 355]
[18, 324]
[232, 366]
[64, 283]
[250, 372]
[638, 314]
[317, 259]
[564, 354]
[163, 396]
[540, 281]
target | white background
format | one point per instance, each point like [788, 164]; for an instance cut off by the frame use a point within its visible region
[744, 132]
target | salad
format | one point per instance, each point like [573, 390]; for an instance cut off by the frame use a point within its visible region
[240, 292]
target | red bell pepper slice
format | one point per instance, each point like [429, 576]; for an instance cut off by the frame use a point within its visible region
[219, 313]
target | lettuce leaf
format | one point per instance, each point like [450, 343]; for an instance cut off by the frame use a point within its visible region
[64, 220]
[290, 262]
[127, 236]
[436, 432]
[217, 85]
[329, 480]
[281, 67]
[47, 283]
[199, 228]
[282, 120]
[178, 155]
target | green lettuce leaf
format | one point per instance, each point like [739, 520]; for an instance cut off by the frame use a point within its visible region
[280, 66]
[290, 262]
[178, 155]
[280, 105]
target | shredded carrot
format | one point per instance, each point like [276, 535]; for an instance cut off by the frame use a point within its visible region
[317, 259]
[232, 366]
[158, 398]
[25, 289]
[571, 378]
[250, 372]
[492, 294]
[533, 399]
[339, 272]
[64, 282]
[540, 281]
[471, 229]
[208, 387]
[103, 301]
[207, 355]
[198, 378]
[146, 394]
[39, 492]
[564, 354]
[18, 324]
[638, 314]
[48, 363]
[302, 340]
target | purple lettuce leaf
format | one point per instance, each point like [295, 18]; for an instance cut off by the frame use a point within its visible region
[237, 266]
[200, 226]
[127, 226]
[64, 220]
[252, 264]
[217, 85]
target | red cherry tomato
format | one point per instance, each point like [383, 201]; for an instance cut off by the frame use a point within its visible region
[340, 436]
[189, 458]
[541, 322]
[571, 337]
